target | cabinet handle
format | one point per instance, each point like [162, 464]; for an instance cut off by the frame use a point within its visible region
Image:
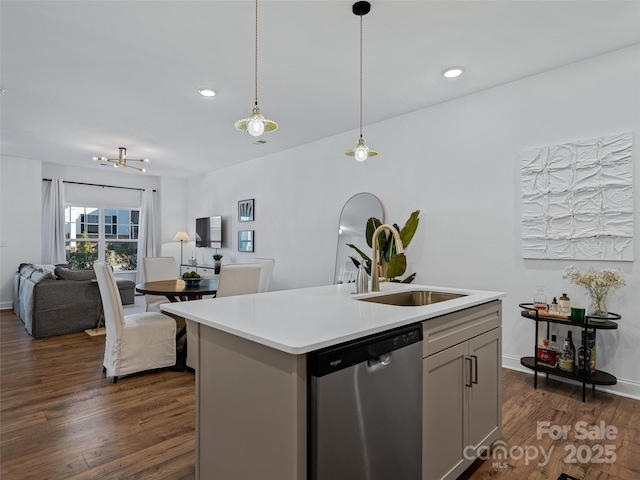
[475, 369]
[470, 384]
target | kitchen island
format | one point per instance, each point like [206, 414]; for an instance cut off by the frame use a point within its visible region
[251, 377]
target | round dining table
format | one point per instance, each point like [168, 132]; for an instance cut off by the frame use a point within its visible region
[178, 291]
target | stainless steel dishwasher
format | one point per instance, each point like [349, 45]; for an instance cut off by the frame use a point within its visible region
[365, 408]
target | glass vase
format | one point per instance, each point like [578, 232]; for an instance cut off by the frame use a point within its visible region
[598, 306]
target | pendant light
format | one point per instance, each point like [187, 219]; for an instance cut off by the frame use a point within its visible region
[361, 152]
[255, 123]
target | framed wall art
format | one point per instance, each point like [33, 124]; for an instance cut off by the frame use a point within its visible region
[246, 241]
[245, 210]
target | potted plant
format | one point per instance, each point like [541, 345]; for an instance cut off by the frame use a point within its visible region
[216, 262]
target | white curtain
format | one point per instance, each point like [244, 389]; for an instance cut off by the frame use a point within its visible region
[147, 242]
[53, 248]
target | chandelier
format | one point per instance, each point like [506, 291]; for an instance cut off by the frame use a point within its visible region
[121, 161]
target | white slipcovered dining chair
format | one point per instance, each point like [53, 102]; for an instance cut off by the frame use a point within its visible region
[235, 279]
[137, 342]
[266, 271]
[155, 269]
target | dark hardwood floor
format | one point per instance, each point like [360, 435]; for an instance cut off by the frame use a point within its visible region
[60, 418]
[602, 455]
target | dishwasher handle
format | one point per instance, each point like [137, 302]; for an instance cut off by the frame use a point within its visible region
[374, 364]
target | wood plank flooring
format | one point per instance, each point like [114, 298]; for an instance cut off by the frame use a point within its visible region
[560, 404]
[60, 418]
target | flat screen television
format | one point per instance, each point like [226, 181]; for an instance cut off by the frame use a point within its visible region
[209, 232]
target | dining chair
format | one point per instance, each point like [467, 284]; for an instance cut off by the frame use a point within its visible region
[235, 279]
[266, 271]
[137, 342]
[155, 269]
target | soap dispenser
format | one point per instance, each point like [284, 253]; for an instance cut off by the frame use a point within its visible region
[362, 279]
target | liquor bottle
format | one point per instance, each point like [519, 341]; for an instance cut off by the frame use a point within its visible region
[554, 345]
[546, 354]
[591, 343]
[566, 358]
[554, 307]
[584, 356]
[565, 305]
[540, 300]
[571, 345]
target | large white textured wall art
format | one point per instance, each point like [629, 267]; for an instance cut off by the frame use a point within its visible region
[577, 200]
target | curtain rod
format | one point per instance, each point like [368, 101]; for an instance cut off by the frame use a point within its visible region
[98, 185]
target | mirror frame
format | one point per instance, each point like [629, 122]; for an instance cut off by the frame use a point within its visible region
[342, 240]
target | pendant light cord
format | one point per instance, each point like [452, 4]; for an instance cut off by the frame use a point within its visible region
[256, 57]
[360, 75]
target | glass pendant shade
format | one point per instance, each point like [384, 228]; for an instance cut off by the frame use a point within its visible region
[255, 124]
[361, 152]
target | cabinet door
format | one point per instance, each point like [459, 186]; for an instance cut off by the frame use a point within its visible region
[445, 376]
[484, 398]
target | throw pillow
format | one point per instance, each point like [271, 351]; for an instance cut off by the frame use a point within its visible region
[75, 275]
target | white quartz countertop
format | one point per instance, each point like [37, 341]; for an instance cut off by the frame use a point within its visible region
[303, 320]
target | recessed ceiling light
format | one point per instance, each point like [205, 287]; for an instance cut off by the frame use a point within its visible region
[453, 72]
[207, 92]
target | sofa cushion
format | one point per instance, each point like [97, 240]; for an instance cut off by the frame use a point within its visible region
[75, 275]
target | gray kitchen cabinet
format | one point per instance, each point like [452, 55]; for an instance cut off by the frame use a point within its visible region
[462, 389]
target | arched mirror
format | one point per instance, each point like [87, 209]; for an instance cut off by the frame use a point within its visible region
[351, 229]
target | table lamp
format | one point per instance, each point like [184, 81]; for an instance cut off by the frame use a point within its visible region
[181, 237]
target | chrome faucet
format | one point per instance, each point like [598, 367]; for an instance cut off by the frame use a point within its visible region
[375, 275]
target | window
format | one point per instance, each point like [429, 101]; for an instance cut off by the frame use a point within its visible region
[106, 234]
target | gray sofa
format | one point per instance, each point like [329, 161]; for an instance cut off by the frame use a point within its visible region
[55, 301]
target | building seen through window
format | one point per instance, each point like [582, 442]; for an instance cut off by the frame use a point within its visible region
[106, 234]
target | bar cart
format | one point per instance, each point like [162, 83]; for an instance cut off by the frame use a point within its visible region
[590, 323]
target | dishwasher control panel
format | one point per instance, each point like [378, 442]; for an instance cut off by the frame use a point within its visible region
[333, 359]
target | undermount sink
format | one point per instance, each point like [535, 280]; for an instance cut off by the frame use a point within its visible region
[415, 298]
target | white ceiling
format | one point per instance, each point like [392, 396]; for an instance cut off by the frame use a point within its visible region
[82, 78]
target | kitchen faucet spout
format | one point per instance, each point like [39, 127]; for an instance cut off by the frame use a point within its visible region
[375, 275]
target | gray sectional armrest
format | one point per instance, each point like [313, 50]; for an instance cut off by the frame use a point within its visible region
[54, 307]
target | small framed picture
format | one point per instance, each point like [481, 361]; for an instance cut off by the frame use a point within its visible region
[245, 241]
[245, 210]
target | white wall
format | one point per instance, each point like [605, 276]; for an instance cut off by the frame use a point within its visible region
[173, 205]
[20, 219]
[456, 162]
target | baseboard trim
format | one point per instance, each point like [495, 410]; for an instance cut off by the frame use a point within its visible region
[624, 387]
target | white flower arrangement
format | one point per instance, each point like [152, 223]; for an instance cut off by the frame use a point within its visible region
[598, 282]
